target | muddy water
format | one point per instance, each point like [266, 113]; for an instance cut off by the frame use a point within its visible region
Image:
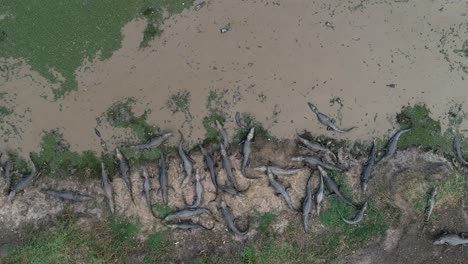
[277, 57]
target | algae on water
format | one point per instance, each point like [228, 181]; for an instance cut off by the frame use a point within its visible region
[55, 158]
[120, 114]
[58, 35]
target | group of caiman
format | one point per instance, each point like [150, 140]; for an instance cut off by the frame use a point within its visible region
[183, 218]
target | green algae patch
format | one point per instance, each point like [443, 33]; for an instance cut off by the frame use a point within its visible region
[261, 132]
[56, 36]
[120, 114]
[425, 131]
[209, 123]
[179, 102]
[55, 159]
[154, 10]
[4, 112]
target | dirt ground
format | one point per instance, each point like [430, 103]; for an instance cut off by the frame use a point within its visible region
[276, 53]
[406, 241]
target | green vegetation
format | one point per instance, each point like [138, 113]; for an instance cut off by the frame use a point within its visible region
[454, 47]
[157, 241]
[456, 115]
[338, 238]
[179, 102]
[20, 164]
[450, 191]
[214, 101]
[68, 242]
[111, 241]
[137, 156]
[56, 36]
[55, 158]
[335, 238]
[157, 246]
[4, 112]
[154, 16]
[351, 236]
[213, 104]
[464, 50]
[273, 251]
[425, 131]
[265, 221]
[354, 236]
[212, 135]
[163, 210]
[247, 255]
[120, 114]
[260, 132]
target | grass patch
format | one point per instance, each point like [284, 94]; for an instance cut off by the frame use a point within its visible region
[425, 131]
[416, 191]
[260, 132]
[163, 210]
[268, 252]
[120, 114]
[248, 255]
[214, 102]
[158, 248]
[123, 231]
[212, 135]
[210, 260]
[450, 191]
[135, 156]
[338, 238]
[157, 241]
[342, 237]
[55, 159]
[179, 102]
[264, 221]
[58, 35]
[68, 242]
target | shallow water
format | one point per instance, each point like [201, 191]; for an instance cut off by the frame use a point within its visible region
[276, 58]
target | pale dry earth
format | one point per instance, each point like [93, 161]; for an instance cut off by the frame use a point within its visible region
[404, 242]
[277, 57]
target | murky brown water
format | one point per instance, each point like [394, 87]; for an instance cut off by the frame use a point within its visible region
[276, 58]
